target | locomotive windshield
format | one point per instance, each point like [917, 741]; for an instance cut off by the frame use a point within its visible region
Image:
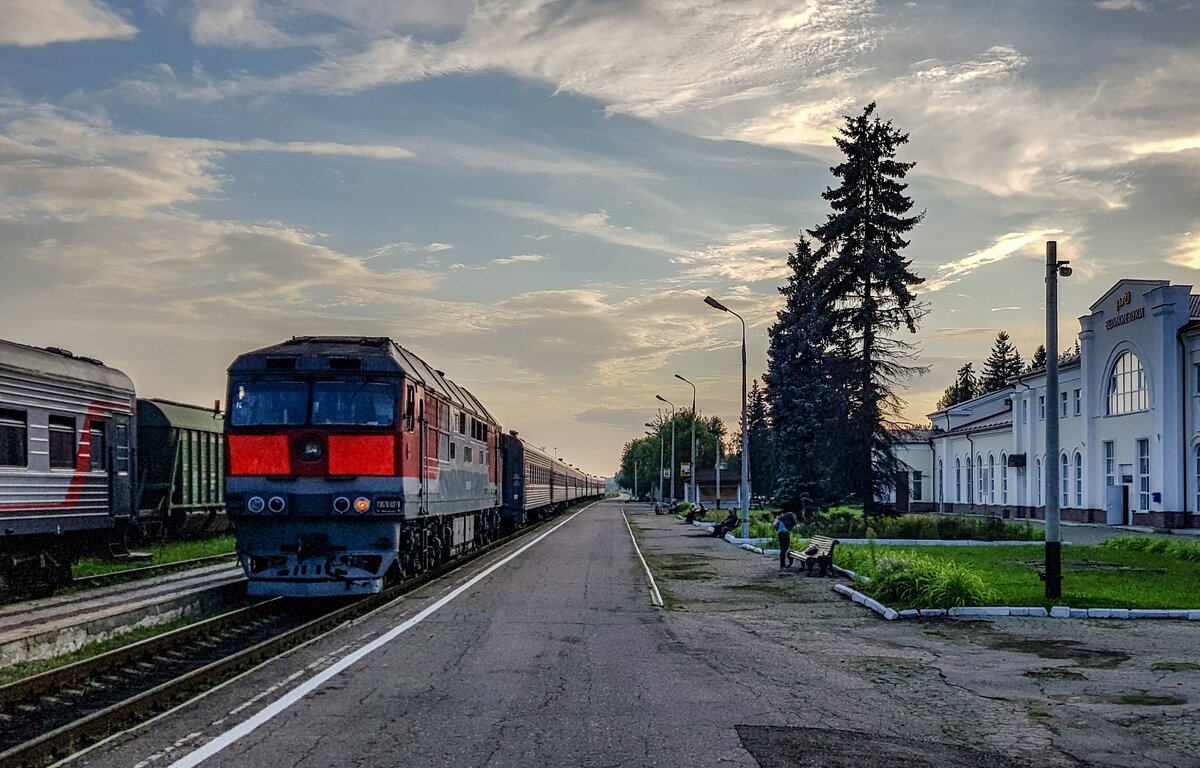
[295, 403]
[258, 403]
[354, 402]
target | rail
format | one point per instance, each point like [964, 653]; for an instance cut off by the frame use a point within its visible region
[62, 711]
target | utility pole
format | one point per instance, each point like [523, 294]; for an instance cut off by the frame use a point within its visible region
[1053, 575]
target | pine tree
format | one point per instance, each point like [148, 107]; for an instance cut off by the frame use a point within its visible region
[870, 287]
[1039, 358]
[963, 389]
[798, 384]
[1002, 364]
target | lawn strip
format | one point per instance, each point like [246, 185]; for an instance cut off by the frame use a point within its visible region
[1093, 576]
[162, 554]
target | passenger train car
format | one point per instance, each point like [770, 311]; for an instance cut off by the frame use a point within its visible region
[351, 461]
[66, 461]
[87, 467]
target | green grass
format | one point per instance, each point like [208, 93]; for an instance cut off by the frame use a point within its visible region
[171, 552]
[1093, 577]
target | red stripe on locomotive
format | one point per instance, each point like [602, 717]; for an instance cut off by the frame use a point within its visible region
[362, 455]
[259, 455]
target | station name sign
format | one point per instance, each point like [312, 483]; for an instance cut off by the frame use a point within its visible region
[1121, 318]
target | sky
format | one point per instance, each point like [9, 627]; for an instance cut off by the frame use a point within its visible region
[536, 196]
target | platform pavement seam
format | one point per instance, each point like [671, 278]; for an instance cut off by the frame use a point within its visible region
[268, 713]
[655, 596]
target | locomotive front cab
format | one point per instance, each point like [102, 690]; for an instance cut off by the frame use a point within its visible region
[315, 485]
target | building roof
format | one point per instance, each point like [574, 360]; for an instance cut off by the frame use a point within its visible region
[1002, 419]
[911, 436]
[1194, 310]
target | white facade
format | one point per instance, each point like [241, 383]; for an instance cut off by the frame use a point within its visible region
[1129, 422]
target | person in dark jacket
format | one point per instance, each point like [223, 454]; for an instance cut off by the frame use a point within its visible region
[783, 527]
[727, 525]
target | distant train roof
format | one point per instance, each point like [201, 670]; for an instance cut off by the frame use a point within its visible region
[379, 354]
[165, 413]
[60, 363]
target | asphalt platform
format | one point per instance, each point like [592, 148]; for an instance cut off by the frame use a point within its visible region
[558, 658]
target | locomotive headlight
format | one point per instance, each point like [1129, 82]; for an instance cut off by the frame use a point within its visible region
[276, 504]
[311, 450]
[255, 504]
[341, 505]
[361, 504]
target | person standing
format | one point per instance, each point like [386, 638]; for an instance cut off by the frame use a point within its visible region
[783, 528]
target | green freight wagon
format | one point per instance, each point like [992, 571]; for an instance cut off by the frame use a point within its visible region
[181, 477]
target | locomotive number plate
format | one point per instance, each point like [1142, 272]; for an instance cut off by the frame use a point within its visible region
[389, 505]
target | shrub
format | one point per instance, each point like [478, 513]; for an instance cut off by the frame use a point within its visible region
[683, 507]
[913, 580]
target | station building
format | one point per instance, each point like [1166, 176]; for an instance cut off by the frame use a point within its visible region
[1129, 425]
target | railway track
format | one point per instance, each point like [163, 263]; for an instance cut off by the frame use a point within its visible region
[55, 714]
[148, 571]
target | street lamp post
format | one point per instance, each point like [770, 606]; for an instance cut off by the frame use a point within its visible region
[668, 402]
[745, 493]
[695, 490]
[660, 460]
[1054, 269]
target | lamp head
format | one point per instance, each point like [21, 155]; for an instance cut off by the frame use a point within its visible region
[660, 397]
[648, 424]
[710, 301]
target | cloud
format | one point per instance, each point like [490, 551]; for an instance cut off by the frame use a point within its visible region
[1185, 250]
[42, 22]
[520, 258]
[1003, 247]
[1004, 309]
[1122, 5]
[71, 165]
[595, 224]
[235, 23]
[755, 254]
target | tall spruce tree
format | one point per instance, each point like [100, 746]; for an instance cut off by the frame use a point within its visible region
[1002, 364]
[870, 287]
[799, 385]
[963, 389]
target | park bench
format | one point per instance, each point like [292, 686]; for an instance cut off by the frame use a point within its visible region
[822, 557]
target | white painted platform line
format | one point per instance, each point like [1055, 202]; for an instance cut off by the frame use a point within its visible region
[655, 596]
[265, 715]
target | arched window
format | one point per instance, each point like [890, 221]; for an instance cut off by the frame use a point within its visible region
[957, 480]
[941, 479]
[1039, 482]
[1064, 480]
[1127, 385]
[1198, 478]
[1004, 478]
[991, 479]
[970, 481]
[981, 481]
[1078, 479]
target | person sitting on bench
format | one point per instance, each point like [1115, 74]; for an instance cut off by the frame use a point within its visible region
[695, 512]
[727, 525]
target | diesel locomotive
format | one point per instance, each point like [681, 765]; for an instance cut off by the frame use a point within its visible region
[352, 462]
